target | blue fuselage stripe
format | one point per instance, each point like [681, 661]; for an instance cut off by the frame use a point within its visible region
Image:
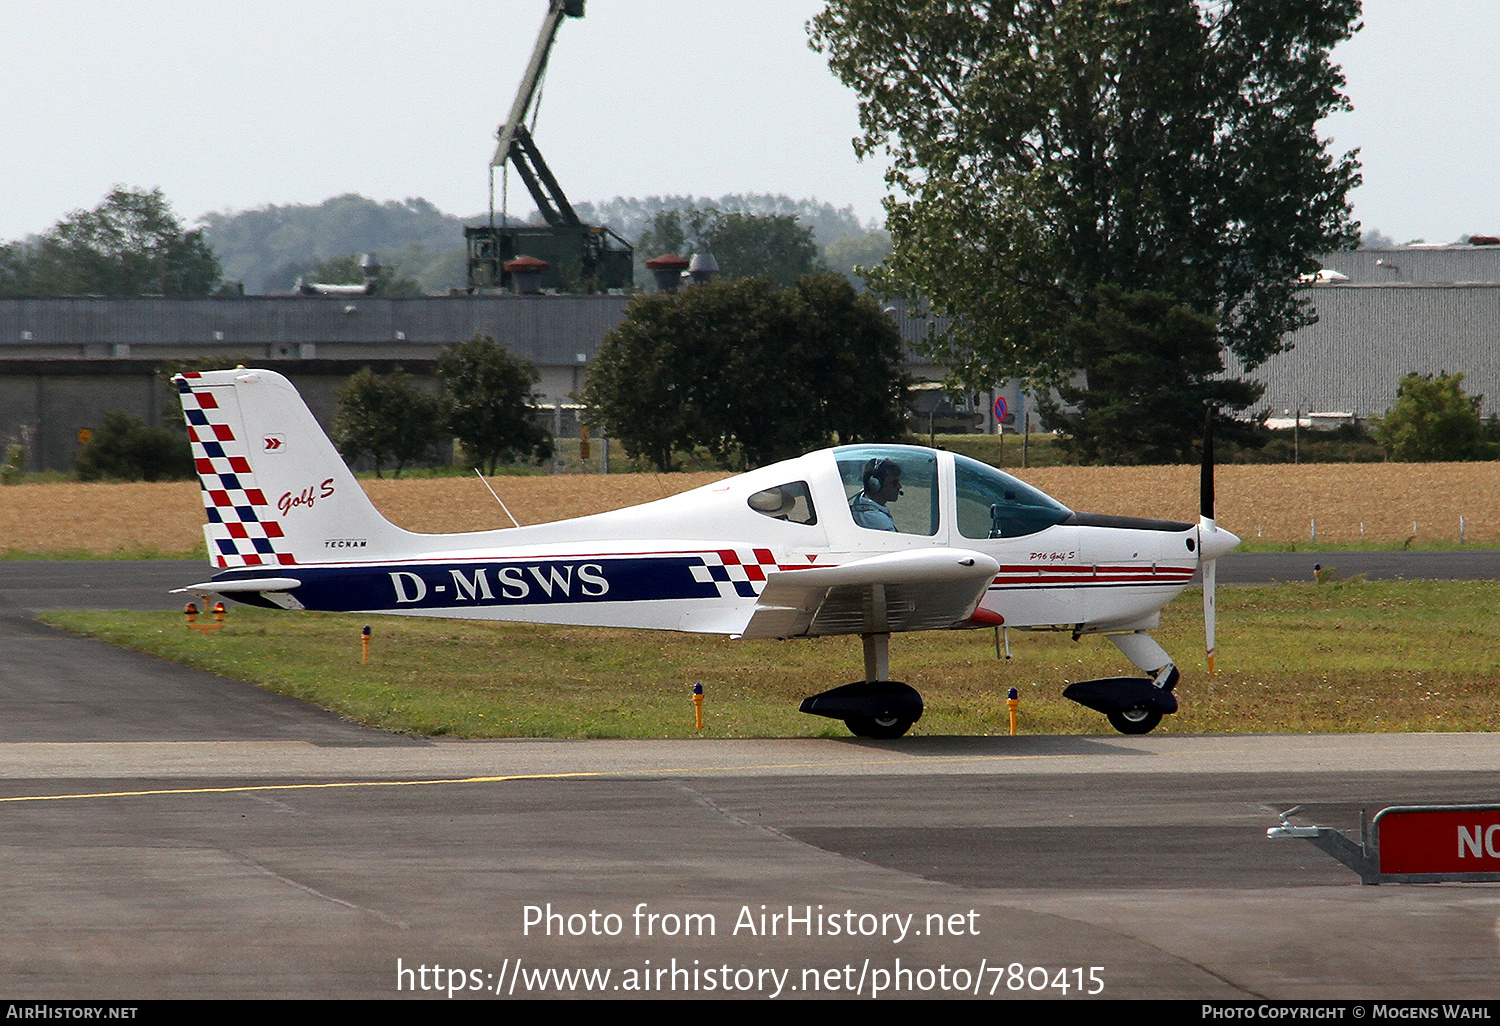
[458, 585]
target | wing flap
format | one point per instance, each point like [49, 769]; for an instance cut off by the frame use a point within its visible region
[926, 589]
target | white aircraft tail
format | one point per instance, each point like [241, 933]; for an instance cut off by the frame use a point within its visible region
[275, 489]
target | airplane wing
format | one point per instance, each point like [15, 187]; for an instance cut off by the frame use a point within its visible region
[924, 589]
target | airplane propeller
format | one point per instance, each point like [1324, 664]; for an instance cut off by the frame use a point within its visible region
[1207, 525]
[1213, 541]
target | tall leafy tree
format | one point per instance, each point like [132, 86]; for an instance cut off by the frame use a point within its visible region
[771, 246]
[1043, 149]
[492, 408]
[131, 244]
[848, 254]
[751, 373]
[389, 419]
[671, 231]
[631, 215]
[852, 355]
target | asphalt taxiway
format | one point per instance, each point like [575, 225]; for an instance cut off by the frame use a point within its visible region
[168, 833]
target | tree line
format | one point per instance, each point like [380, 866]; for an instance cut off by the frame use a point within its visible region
[266, 249]
[749, 373]
[487, 404]
[131, 244]
[743, 372]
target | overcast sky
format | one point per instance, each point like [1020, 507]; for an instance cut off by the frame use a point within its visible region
[233, 106]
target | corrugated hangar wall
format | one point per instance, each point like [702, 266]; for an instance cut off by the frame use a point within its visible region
[1416, 264]
[1368, 337]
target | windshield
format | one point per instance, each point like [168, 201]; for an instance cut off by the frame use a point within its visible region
[992, 504]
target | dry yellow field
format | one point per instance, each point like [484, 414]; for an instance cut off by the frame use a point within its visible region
[1265, 503]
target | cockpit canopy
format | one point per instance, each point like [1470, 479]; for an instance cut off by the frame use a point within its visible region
[892, 487]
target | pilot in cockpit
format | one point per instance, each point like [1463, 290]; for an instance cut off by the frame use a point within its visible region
[882, 485]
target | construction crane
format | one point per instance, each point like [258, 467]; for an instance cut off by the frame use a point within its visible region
[580, 257]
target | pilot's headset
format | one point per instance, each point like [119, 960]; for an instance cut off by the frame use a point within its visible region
[875, 473]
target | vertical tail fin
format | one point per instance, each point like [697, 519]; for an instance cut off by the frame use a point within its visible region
[275, 490]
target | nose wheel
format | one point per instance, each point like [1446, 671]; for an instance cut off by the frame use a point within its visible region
[879, 727]
[1134, 721]
[1133, 705]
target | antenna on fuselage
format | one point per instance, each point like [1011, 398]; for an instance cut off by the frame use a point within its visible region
[498, 499]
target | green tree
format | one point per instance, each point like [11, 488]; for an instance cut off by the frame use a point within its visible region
[1433, 420]
[631, 215]
[1042, 149]
[389, 419]
[124, 448]
[1152, 367]
[130, 245]
[745, 245]
[751, 373]
[851, 253]
[771, 246]
[852, 355]
[666, 232]
[14, 464]
[492, 408]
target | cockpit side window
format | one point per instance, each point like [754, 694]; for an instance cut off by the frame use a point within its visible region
[890, 488]
[790, 502]
[992, 504]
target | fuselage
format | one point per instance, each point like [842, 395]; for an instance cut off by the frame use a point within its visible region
[699, 560]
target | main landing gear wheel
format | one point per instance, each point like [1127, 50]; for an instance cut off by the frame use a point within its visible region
[882, 709]
[1134, 721]
[882, 728]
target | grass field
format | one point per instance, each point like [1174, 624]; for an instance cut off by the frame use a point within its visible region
[1333, 657]
[1269, 506]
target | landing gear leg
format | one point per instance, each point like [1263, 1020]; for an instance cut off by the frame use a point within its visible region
[877, 656]
[1133, 705]
[1141, 649]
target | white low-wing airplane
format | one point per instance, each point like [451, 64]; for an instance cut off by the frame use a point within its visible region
[862, 539]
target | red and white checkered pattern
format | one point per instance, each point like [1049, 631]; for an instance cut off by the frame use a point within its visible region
[737, 572]
[241, 529]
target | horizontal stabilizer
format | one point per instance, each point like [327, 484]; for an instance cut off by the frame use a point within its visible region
[256, 591]
[255, 584]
